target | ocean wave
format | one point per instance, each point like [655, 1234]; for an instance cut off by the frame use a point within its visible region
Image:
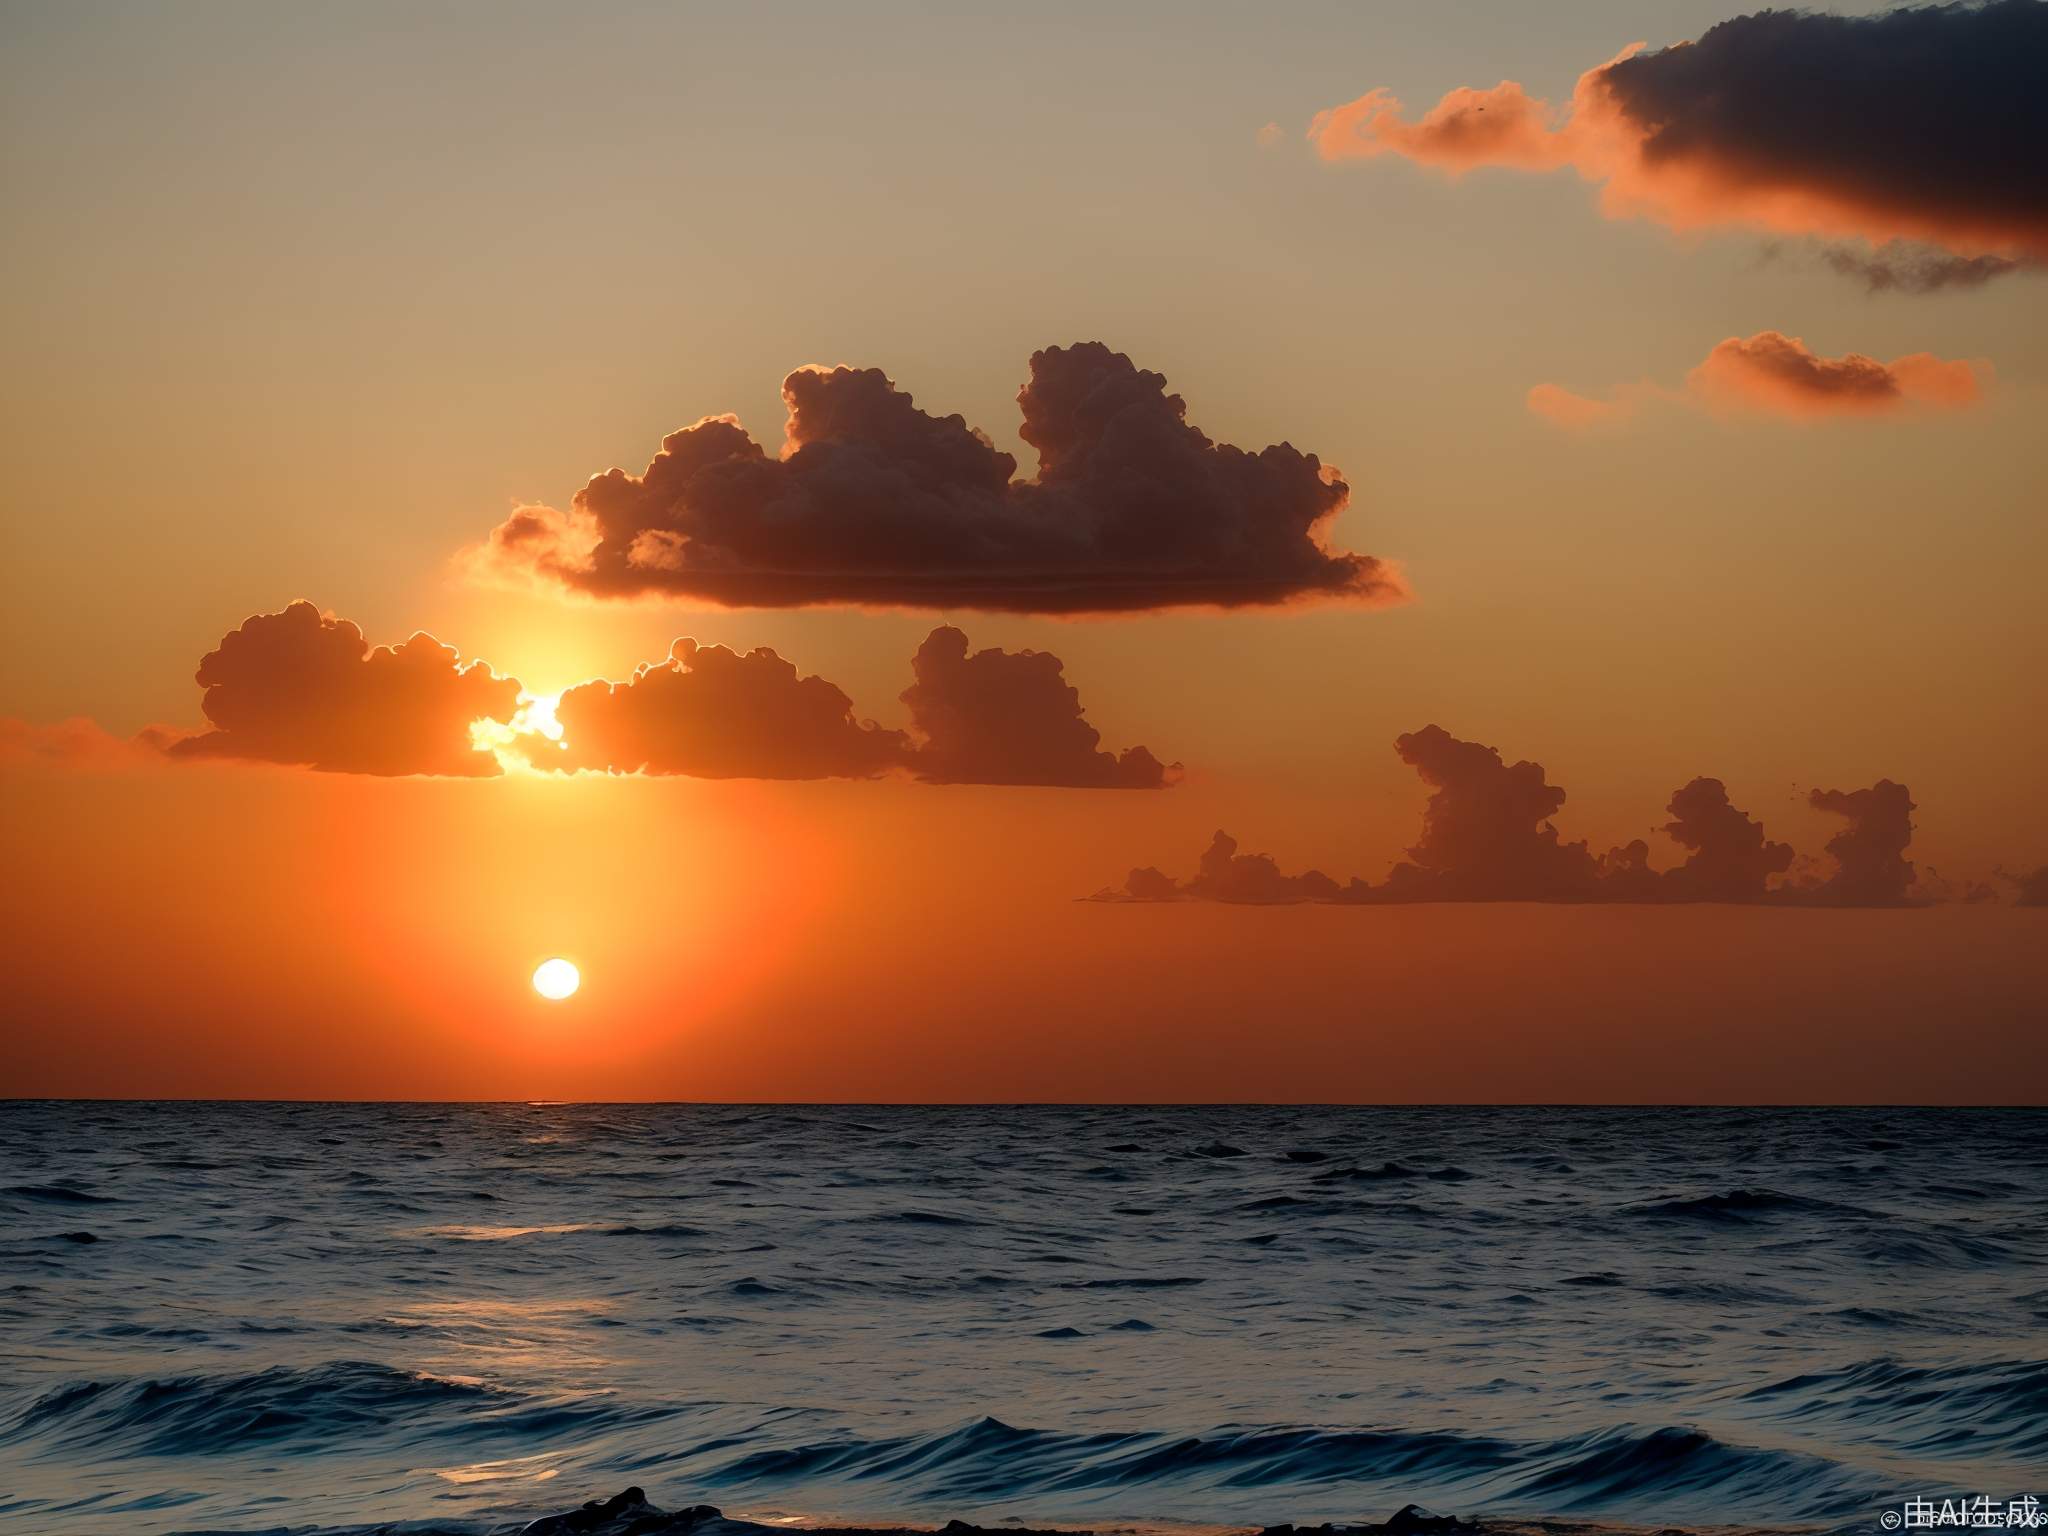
[338, 1405]
[56, 1194]
[1741, 1205]
[1679, 1469]
[1997, 1406]
[1689, 1470]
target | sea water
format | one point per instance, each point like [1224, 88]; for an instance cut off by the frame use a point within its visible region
[246, 1316]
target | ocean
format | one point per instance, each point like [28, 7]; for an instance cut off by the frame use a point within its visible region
[259, 1316]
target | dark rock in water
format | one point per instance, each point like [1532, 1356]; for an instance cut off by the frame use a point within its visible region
[1413, 1517]
[629, 1514]
[1409, 1520]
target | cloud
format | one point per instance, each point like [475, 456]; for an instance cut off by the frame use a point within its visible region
[1487, 835]
[1003, 717]
[873, 502]
[1225, 875]
[300, 687]
[1773, 374]
[976, 717]
[1486, 831]
[1729, 858]
[1924, 124]
[305, 688]
[79, 743]
[1871, 867]
[1903, 267]
[712, 713]
[1500, 126]
[2031, 888]
[1779, 374]
[1579, 413]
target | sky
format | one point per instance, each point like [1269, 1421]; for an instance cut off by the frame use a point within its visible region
[1640, 458]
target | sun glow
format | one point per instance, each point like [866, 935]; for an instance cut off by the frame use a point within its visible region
[556, 979]
[531, 733]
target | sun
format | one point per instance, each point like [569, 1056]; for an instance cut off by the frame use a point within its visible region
[556, 979]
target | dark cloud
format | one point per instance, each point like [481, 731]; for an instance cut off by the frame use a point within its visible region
[2031, 889]
[1926, 125]
[1487, 836]
[1486, 831]
[873, 501]
[976, 717]
[1224, 874]
[1871, 869]
[711, 713]
[1729, 858]
[1902, 268]
[1010, 717]
[1926, 122]
[303, 688]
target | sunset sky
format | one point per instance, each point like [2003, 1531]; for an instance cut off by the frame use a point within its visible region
[1652, 442]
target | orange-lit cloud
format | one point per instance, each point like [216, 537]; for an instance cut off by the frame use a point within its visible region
[302, 688]
[305, 688]
[1773, 374]
[1921, 124]
[1581, 413]
[1487, 835]
[710, 713]
[976, 717]
[1780, 375]
[873, 502]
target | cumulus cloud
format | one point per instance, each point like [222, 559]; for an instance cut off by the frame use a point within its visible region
[1871, 869]
[872, 501]
[305, 688]
[711, 713]
[1486, 830]
[1773, 374]
[1010, 717]
[1924, 124]
[302, 687]
[1728, 856]
[1487, 835]
[976, 717]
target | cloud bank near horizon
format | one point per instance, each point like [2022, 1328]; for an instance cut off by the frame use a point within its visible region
[873, 502]
[1917, 132]
[1487, 835]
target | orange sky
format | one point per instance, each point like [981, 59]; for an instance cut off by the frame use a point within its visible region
[307, 308]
